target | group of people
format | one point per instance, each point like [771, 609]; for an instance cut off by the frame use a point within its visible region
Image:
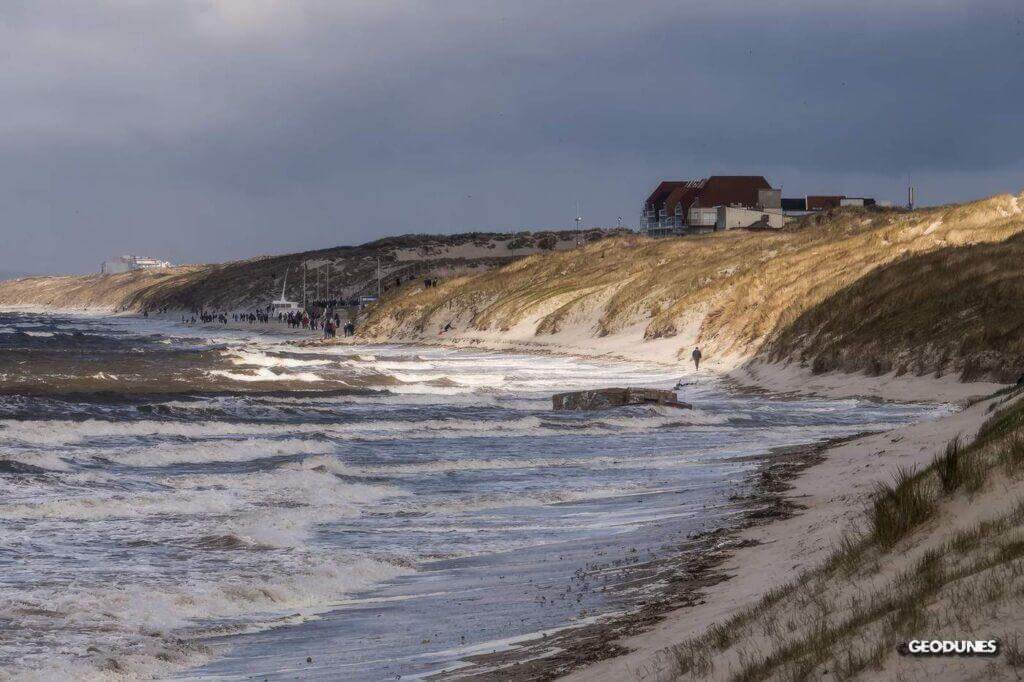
[327, 320]
[313, 318]
[331, 328]
[251, 317]
[318, 315]
[201, 315]
[205, 317]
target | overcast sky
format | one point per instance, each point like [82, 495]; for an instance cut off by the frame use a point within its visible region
[205, 130]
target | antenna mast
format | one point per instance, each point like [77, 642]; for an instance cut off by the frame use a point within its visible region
[578, 221]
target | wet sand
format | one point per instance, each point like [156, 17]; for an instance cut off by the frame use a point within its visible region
[820, 500]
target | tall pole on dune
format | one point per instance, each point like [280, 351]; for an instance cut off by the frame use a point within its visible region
[578, 221]
[303, 285]
[378, 276]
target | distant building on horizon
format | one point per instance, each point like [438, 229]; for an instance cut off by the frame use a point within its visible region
[718, 202]
[726, 202]
[813, 203]
[128, 263]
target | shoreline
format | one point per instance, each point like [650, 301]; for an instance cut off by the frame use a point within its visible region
[678, 576]
[828, 498]
[744, 372]
[809, 497]
[749, 373]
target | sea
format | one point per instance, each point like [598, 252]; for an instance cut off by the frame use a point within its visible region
[205, 502]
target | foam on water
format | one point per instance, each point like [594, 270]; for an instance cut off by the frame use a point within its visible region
[134, 524]
[139, 625]
[266, 374]
[262, 359]
[74, 432]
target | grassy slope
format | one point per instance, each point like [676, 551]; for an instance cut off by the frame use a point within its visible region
[957, 309]
[744, 288]
[941, 555]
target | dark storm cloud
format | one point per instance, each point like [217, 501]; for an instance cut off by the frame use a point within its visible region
[206, 130]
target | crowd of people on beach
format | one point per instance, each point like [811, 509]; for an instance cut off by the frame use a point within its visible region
[314, 317]
[323, 315]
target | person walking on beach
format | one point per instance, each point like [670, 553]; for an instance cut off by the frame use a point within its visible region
[696, 355]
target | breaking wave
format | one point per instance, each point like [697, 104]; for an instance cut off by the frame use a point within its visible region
[266, 374]
[72, 432]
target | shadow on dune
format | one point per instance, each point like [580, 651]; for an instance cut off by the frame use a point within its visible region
[956, 310]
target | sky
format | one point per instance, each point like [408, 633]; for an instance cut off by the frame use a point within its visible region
[211, 130]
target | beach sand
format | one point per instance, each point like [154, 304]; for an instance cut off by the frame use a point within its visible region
[833, 493]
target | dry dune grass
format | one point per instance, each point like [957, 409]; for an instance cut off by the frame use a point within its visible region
[748, 286]
[956, 309]
[928, 291]
[95, 291]
[922, 566]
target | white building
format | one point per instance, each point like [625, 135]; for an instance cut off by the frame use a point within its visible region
[734, 217]
[128, 263]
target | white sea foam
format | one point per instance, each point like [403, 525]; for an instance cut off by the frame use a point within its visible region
[72, 432]
[266, 374]
[320, 493]
[206, 451]
[43, 459]
[243, 357]
[627, 460]
[138, 622]
[204, 537]
[384, 365]
[502, 500]
[428, 389]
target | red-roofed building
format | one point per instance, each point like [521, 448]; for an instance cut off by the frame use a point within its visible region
[683, 206]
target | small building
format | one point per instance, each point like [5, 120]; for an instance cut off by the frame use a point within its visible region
[823, 202]
[693, 206]
[128, 263]
[814, 203]
[737, 217]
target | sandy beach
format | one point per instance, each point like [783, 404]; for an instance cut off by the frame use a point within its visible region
[829, 498]
[833, 495]
[830, 495]
[815, 495]
[743, 371]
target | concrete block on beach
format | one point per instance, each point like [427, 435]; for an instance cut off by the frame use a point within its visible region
[603, 398]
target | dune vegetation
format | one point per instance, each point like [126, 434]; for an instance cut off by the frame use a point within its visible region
[939, 553]
[930, 291]
[953, 310]
[840, 280]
